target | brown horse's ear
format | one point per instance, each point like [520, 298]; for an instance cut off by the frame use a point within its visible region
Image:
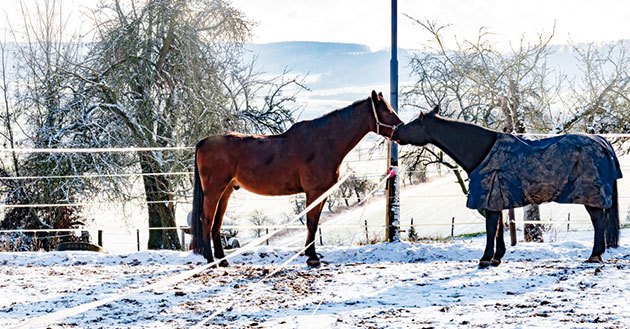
[374, 96]
[380, 94]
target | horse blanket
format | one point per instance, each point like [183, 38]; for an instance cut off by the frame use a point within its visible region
[573, 168]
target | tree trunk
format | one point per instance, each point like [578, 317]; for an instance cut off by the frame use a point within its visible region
[514, 123]
[161, 214]
[532, 232]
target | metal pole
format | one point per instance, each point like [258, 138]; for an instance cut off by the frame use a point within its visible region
[138, 238]
[321, 240]
[100, 238]
[392, 226]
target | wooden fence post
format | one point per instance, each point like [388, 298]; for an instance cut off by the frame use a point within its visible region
[512, 226]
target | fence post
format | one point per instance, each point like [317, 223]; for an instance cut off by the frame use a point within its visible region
[512, 225]
[452, 227]
[568, 220]
[100, 238]
[367, 235]
[184, 248]
[138, 238]
[321, 241]
[267, 233]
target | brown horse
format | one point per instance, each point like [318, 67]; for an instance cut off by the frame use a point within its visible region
[305, 158]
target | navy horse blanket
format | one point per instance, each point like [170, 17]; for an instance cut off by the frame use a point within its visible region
[573, 168]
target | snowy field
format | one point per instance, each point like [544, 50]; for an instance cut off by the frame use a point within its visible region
[401, 285]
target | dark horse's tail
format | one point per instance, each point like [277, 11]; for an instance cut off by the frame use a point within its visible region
[198, 244]
[612, 230]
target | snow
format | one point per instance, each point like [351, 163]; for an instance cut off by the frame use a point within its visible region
[398, 285]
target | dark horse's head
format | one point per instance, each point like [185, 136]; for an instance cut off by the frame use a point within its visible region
[416, 132]
[386, 121]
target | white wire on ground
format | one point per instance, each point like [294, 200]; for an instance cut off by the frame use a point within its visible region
[95, 149]
[231, 303]
[48, 319]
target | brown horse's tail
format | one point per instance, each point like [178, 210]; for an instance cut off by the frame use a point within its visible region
[614, 225]
[197, 209]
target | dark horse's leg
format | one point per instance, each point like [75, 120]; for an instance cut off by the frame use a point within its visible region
[218, 222]
[599, 224]
[492, 221]
[500, 248]
[312, 221]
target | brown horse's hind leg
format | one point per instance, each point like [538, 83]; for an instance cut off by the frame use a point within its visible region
[599, 243]
[218, 222]
[312, 221]
[210, 204]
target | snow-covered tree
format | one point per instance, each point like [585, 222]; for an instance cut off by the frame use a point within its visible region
[509, 91]
[167, 73]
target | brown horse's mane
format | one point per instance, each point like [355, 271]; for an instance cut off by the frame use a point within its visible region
[343, 114]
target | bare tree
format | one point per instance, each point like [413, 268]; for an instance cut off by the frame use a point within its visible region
[166, 73]
[259, 219]
[507, 91]
[598, 99]
[36, 114]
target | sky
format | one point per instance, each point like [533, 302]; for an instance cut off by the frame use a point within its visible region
[368, 21]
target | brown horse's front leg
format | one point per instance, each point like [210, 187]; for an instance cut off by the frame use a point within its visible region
[492, 220]
[312, 222]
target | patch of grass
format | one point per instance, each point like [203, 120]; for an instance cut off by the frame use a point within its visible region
[470, 235]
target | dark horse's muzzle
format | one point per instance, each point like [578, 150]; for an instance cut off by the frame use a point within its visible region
[394, 136]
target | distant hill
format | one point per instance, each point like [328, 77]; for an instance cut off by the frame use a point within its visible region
[329, 65]
[338, 65]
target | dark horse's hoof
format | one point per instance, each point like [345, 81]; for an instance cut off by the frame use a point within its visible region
[495, 262]
[595, 259]
[484, 263]
[313, 262]
[224, 263]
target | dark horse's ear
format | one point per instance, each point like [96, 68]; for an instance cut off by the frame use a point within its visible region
[380, 93]
[375, 96]
[436, 110]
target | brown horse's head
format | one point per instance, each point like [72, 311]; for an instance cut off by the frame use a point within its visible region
[385, 118]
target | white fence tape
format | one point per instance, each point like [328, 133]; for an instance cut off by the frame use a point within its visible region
[48, 319]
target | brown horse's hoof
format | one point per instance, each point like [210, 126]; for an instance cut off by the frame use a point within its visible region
[224, 263]
[484, 263]
[495, 262]
[312, 262]
[595, 259]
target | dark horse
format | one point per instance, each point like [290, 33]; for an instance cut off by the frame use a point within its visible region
[506, 171]
[305, 158]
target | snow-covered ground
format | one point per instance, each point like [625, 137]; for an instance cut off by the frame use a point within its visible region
[400, 285]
